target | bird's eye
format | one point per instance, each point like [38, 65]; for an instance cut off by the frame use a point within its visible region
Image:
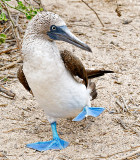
[53, 28]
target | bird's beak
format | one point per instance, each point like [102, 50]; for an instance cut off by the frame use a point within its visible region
[63, 33]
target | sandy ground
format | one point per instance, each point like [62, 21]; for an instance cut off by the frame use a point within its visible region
[116, 133]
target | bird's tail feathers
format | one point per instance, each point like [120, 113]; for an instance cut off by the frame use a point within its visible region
[96, 73]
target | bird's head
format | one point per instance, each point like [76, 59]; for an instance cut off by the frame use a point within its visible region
[54, 27]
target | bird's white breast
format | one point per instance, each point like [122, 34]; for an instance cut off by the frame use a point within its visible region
[52, 85]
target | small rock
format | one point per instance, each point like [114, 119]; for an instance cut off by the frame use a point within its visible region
[126, 21]
[77, 140]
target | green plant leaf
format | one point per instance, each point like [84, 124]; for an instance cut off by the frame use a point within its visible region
[29, 10]
[0, 7]
[41, 9]
[34, 12]
[3, 16]
[20, 2]
[2, 35]
[2, 38]
[28, 16]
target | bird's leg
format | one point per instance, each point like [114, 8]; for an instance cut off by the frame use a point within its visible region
[54, 130]
[89, 111]
[56, 143]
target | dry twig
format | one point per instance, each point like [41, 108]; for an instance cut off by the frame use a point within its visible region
[7, 29]
[8, 50]
[14, 26]
[3, 155]
[120, 152]
[10, 65]
[127, 128]
[93, 11]
[40, 4]
[125, 105]
[131, 156]
[3, 105]
[120, 105]
[11, 130]
[6, 91]
[119, 121]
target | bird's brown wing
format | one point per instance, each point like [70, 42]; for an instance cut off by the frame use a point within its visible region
[76, 68]
[74, 65]
[22, 79]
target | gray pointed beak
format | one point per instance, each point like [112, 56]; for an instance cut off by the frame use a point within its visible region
[63, 33]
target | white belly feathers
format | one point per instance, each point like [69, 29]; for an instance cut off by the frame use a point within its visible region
[53, 86]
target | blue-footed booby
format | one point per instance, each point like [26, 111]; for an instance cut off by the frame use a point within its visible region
[50, 75]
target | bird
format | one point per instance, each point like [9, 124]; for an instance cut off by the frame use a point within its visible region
[57, 79]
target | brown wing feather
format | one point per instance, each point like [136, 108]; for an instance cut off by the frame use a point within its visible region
[74, 65]
[22, 79]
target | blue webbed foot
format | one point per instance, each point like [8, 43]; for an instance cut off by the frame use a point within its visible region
[56, 144]
[89, 111]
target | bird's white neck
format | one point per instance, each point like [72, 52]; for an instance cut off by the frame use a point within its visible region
[39, 46]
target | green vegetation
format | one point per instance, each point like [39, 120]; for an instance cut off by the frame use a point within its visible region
[28, 10]
[2, 38]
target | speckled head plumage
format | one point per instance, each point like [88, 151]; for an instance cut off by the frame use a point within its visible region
[41, 23]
